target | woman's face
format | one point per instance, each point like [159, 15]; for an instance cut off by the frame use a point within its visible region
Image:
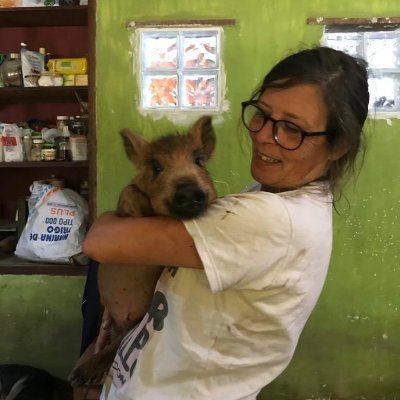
[278, 169]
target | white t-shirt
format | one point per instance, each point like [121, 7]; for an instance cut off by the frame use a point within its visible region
[228, 330]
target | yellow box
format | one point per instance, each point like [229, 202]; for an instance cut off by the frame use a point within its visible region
[67, 65]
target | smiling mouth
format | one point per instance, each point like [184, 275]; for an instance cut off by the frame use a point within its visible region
[267, 159]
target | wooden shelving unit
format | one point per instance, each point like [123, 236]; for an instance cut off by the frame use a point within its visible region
[26, 21]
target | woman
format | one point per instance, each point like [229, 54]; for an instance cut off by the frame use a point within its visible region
[227, 322]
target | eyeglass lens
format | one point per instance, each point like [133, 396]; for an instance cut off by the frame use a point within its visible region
[286, 134]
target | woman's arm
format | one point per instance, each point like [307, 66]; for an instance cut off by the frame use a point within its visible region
[141, 241]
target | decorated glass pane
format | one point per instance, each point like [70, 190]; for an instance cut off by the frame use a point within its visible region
[200, 51]
[200, 91]
[160, 51]
[160, 91]
[350, 43]
[384, 93]
[382, 50]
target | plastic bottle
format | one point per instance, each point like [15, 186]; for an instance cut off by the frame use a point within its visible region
[27, 142]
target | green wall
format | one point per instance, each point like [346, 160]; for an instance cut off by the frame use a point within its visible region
[350, 347]
[41, 321]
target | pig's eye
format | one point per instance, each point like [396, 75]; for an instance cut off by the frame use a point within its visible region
[198, 160]
[156, 167]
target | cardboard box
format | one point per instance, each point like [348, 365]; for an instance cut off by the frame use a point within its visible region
[10, 3]
[81, 80]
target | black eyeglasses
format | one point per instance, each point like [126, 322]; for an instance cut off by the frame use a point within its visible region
[285, 133]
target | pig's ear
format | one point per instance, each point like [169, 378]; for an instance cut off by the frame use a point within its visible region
[134, 144]
[203, 131]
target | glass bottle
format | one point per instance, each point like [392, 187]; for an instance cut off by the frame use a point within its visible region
[11, 70]
[63, 148]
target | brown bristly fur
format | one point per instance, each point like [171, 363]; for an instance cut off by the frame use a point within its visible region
[171, 180]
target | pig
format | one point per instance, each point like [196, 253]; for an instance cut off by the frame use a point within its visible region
[171, 180]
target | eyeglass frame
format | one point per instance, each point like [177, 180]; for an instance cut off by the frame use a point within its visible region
[274, 121]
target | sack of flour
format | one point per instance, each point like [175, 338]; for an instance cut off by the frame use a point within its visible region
[55, 228]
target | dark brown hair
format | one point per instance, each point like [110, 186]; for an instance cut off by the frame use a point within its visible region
[343, 80]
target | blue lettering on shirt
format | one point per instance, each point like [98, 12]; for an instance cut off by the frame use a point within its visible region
[131, 346]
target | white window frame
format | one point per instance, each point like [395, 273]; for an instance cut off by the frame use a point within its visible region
[181, 72]
[362, 37]
[362, 25]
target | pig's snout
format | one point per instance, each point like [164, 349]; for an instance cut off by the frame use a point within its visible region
[188, 201]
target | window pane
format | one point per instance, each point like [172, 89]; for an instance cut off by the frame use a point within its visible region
[384, 93]
[200, 51]
[382, 50]
[160, 91]
[350, 43]
[159, 51]
[200, 91]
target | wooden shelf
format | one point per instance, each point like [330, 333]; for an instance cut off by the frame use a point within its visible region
[13, 265]
[59, 94]
[44, 164]
[43, 16]
[8, 225]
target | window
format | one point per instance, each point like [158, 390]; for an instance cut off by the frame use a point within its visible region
[381, 49]
[180, 68]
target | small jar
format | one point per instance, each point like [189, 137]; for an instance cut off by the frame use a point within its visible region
[36, 151]
[48, 152]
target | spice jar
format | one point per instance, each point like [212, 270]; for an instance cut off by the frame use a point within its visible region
[48, 152]
[36, 151]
